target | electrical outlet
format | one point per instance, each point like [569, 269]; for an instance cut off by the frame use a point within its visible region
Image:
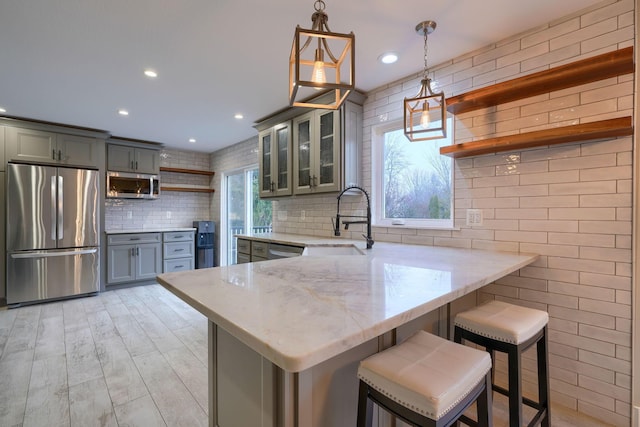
[474, 217]
[168, 214]
[303, 215]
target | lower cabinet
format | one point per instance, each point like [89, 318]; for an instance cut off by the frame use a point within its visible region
[133, 257]
[244, 251]
[178, 251]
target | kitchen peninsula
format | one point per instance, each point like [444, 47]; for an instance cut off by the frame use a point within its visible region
[285, 335]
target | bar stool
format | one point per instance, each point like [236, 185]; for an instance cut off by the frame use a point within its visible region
[511, 329]
[426, 381]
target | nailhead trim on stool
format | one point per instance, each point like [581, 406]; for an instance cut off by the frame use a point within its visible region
[427, 381]
[511, 329]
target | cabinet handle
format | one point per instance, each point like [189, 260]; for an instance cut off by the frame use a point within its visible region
[134, 238]
[132, 165]
[53, 154]
[178, 237]
[179, 266]
[136, 165]
[137, 251]
[179, 250]
[133, 251]
[60, 155]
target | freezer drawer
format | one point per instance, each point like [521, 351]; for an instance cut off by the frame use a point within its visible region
[42, 275]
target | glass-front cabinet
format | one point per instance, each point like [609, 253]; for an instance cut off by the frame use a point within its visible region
[274, 146]
[316, 155]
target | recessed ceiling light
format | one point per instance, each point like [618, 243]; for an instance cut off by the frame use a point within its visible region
[192, 140]
[150, 73]
[239, 116]
[2, 110]
[388, 58]
[123, 112]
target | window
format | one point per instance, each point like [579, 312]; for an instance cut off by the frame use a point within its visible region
[243, 211]
[412, 183]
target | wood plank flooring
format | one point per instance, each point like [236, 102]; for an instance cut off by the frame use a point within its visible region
[129, 357]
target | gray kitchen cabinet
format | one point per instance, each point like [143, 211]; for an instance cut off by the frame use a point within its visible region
[243, 247]
[178, 251]
[30, 145]
[3, 163]
[2, 235]
[259, 251]
[274, 148]
[325, 149]
[124, 158]
[133, 257]
[316, 155]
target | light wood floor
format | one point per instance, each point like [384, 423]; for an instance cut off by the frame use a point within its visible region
[130, 357]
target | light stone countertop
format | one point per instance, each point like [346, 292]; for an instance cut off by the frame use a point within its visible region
[149, 230]
[298, 312]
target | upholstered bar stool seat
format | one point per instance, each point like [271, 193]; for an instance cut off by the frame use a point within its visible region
[426, 381]
[509, 328]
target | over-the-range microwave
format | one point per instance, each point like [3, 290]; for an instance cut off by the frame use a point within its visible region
[126, 185]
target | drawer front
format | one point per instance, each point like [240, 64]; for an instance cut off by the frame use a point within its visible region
[178, 236]
[243, 258]
[179, 264]
[128, 239]
[258, 258]
[244, 246]
[178, 249]
[259, 249]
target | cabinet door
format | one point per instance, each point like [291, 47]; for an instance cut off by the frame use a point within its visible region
[303, 129]
[78, 151]
[148, 261]
[147, 161]
[265, 178]
[30, 145]
[3, 162]
[120, 265]
[120, 158]
[282, 159]
[326, 152]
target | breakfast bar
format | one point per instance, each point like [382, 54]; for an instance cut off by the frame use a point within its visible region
[286, 335]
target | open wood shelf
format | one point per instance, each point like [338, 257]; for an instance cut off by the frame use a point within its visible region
[587, 70]
[190, 171]
[574, 133]
[188, 189]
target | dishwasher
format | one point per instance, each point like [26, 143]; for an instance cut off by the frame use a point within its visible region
[283, 251]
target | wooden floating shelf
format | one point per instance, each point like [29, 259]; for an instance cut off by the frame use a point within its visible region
[190, 171]
[188, 189]
[587, 70]
[574, 133]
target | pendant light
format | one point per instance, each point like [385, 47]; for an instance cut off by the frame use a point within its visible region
[318, 78]
[425, 114]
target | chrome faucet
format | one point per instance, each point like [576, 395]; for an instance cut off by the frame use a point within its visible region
[336, 223]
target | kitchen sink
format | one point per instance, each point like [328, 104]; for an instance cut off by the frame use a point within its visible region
[331, 249]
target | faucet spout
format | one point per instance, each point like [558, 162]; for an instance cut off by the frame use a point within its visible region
[336, 224]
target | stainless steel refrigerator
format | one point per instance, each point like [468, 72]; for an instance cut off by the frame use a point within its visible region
[52, 232]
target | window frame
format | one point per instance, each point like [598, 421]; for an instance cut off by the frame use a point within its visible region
[377, 182]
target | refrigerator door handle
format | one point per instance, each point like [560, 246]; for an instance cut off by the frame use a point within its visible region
[53, 254]
[54, 209]
[60, 207]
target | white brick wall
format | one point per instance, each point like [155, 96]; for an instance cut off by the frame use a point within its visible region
[569, 203]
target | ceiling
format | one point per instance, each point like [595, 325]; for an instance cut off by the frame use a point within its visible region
[79, 61]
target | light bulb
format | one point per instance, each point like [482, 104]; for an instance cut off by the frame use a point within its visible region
[318, 75]
[424, 117]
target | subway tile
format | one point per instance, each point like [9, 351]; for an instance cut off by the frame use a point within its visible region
[490, 245]
[566, 326]
[522, 168]
[603, 307]
[584, 343]
[550, 201]
[554, 56]
[550, 177]
[584, 162]
[608, 41]
[589, 187]
[584, 33]
[581, 368]
[601, 174]
[550, 250]
[583, 291]
[593, 214]
[606, 254]
[522, 190]
[591, 266]
[605, 227]
[522, 236]
[583, 317]
[519, 124]
[495, 203]
[624, 214]
[501, 224]
[524, 283]
[592, 109]
[557, 103]
[606, 280]
[566, 237]
[612, 200]
[549, 298]
[558, 152]
[551, 32]
[498, 181]
[498, 52]
[537, 272]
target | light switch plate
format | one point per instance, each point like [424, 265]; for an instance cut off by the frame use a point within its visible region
[474, 217]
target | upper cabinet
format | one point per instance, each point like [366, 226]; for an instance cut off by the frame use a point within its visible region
[124, 158]
[316, 156]
[303, 151]
[39, 146]
[274, 148]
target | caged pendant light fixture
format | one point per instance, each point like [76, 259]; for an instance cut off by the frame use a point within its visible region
[425, 114]
[321, 61]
